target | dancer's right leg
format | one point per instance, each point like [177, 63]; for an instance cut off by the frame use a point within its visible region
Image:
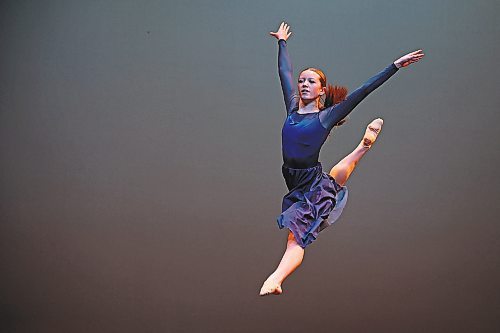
[292, 258]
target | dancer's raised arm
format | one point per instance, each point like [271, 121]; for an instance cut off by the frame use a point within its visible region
[285, 65]
[332, 115]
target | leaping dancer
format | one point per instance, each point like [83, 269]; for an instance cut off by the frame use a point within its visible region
[315, 199]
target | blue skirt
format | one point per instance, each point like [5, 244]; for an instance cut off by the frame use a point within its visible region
[314, 202]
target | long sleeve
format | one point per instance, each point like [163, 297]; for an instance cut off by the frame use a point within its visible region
[332, 115]
[286, 76]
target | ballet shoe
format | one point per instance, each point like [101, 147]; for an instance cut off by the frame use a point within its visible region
[372, 131]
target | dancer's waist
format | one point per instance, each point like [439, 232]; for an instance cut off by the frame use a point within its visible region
[300, 163]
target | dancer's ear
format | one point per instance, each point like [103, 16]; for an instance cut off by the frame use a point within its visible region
[323, 91]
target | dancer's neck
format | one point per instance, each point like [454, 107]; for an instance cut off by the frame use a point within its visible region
[308, 106]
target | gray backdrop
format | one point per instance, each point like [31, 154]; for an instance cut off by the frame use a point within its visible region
[141, 167]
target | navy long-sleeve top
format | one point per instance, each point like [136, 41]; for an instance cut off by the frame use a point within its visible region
[303, 135]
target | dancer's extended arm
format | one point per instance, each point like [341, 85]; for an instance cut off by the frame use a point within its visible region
[285, 68]
[332, 115]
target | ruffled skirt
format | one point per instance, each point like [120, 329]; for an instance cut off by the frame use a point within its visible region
[314, 202]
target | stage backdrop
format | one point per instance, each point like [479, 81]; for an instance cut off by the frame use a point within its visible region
[140, 167]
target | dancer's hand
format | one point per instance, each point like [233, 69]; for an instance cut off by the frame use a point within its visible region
[409, 58]
[282, 32]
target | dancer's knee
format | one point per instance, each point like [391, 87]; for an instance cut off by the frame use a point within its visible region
[291, 241]
[340, 173]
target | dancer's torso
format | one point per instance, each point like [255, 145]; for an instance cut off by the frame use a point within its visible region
[302, 137]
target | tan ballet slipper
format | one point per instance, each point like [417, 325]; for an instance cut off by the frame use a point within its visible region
[372, 131]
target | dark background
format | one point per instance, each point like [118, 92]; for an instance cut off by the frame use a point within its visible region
[140, 175]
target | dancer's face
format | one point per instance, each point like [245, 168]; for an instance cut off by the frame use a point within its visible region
[309, 85]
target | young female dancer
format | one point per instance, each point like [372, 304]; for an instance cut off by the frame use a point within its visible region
[316, 199]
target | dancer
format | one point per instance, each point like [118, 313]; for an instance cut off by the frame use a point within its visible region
[316, 199]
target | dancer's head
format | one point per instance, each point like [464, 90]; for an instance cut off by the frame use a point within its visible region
[312, 86]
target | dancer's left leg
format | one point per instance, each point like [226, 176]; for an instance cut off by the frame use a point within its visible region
[342, 170]
[291, 260]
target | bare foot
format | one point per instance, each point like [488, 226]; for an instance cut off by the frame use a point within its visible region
[372, 131]
[270, 286]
